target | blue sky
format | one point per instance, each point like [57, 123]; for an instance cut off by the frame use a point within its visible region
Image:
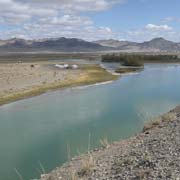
[134, 20]
[137, 13]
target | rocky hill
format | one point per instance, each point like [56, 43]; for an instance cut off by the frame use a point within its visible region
[115, 43]
[160, 44]
[58, 45]
[155, 45]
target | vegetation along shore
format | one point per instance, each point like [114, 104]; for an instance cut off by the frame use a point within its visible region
[152, 154]
[139, 59]
[135, 62]
[129, 63]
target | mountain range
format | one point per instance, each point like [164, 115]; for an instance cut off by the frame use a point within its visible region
[154, 45]
[78, 45]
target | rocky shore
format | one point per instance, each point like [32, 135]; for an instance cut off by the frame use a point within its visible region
[152, 154]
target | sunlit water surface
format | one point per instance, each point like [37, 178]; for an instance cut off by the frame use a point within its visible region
[35, 132]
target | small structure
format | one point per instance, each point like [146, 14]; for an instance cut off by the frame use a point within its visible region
[66, 66]
[59, 66]
[74, 66]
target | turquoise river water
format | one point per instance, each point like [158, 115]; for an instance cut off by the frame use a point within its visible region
[35, 132]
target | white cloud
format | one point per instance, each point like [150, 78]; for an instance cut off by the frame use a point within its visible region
[171, 19]
[168, 19]
[12, 12]
[151, 31]
[37, 31]
[74, 5]
[17, 11]
[58, 26]
[155, 27]
[67, 20]
[55, 18]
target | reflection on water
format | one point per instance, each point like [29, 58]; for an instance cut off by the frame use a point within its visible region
[37, 130]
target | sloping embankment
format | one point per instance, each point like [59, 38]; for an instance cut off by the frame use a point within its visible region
[153, 154]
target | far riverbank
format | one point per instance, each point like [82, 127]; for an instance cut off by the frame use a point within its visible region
[22, 80]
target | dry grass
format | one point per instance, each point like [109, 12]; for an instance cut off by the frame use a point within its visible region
[72, 175]
[153, 123]
[87, 164]
[168, 116]
[104, 142]
[158, 121]
[85, 167]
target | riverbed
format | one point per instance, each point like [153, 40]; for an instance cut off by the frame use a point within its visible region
[35, 132]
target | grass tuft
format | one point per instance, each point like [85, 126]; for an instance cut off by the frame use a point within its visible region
[87, 164]
[104, 142]
[159, 120]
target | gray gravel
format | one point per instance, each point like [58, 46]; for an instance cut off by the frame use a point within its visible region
[153, 154]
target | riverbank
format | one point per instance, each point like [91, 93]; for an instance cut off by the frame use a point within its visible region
[152, 154]
[21, 80]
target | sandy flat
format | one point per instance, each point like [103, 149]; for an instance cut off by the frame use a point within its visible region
[21, 76]
[21, 80]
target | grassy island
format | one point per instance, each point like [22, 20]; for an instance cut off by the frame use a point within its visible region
[138, 59]
[124, 59]
[130, 63]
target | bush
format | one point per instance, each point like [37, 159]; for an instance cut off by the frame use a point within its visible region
[133, 61]
[124, 59]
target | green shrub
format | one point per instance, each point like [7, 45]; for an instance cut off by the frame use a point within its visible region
[138, 59]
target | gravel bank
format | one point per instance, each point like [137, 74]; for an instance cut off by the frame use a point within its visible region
[152, 154]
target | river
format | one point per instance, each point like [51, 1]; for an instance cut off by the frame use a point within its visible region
[35, 132]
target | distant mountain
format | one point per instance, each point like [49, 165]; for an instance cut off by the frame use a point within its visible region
[115, 43]
[161, 45]
[155, 45]
[78, 45]
[58, 45]
[15, 43]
